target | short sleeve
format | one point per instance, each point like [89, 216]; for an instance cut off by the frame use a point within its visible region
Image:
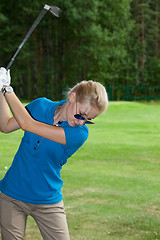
[32, 106]
[42, 109]
[75, 137]
[42, 103]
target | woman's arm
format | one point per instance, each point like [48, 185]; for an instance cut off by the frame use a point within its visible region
[7, 122]
[27, 123]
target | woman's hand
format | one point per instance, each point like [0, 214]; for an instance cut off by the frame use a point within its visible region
[5, 78]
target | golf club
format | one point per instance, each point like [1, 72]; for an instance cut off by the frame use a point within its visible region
[53, 9]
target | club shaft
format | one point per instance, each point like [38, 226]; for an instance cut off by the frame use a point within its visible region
[36, 22]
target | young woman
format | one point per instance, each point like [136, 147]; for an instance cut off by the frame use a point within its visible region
[54, 131]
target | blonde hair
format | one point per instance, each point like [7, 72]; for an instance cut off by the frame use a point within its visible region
[92, 92]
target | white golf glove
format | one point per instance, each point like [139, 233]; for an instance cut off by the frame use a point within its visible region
[5, 78]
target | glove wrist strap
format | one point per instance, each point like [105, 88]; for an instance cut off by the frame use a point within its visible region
[4, 91]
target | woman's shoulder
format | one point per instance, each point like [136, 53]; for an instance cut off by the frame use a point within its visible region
[41, 102]
[46, 101]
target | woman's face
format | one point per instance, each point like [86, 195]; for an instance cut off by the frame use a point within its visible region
[83, 109]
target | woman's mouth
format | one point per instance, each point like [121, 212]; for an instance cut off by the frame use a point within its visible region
[75, 124]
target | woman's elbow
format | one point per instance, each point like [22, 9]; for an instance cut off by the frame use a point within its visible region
[25, 124]
[4, 130]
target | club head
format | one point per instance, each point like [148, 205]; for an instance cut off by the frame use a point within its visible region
[55, 11]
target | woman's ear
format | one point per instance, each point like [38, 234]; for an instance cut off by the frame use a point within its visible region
[72, 97]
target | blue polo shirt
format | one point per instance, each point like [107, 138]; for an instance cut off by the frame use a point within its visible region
[34, 176]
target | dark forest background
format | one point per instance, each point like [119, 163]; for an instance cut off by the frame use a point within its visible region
[114, 42]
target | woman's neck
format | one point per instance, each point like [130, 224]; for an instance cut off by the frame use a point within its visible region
[60, 114]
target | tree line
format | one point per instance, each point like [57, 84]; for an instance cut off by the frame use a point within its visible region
[113, 42]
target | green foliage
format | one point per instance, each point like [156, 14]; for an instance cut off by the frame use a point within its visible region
[114, 42]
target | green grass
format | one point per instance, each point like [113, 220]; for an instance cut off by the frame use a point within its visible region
[111, 185]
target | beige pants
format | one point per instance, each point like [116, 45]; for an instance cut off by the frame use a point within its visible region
[50, 218]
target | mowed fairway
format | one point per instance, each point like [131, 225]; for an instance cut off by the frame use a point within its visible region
[112, 184]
